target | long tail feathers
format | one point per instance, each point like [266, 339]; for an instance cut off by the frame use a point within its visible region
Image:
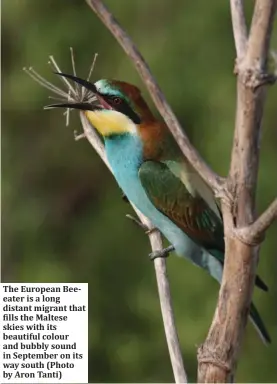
[261, 284]
[259, 324]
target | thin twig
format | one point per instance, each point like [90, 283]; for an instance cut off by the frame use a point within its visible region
[92, 66]
[43, 82]
[239, 27]
[62, 78]
[215, 181]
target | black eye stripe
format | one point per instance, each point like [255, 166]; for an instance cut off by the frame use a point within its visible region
[123, 107]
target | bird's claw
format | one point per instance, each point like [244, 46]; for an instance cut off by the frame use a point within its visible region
[162, 253]
[144, 227]
[151, 230]
[138, 223]
[156, 254]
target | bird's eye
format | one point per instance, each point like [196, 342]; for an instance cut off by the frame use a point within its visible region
[116, 100]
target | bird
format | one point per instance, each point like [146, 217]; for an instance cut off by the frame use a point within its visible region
[155, 176]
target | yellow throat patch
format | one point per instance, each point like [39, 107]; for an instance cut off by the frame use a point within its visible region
[110, 122]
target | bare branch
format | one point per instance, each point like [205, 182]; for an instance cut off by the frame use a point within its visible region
[183, 141]
[260, 33]
[160, 269]
[226, 332]
[250, 101]
[239, 27]
[253, 234]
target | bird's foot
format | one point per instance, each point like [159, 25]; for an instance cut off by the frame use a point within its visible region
[138, 223]
[151, 230]
[156, 254]
[146, 230]
[162, 253]
[225, 196]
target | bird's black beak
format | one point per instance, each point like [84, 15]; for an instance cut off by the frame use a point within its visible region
[80, 105]
[86, 84]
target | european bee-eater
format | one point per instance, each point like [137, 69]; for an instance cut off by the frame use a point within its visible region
[154, 175]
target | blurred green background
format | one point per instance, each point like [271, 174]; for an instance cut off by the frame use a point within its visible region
[62, 213]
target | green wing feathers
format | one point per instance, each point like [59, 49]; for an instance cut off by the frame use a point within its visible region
[191, 213]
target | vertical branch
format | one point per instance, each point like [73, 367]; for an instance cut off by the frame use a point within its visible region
[239, 27]
[250, 105]
[219, 354]
[240, 39]
[260, 34]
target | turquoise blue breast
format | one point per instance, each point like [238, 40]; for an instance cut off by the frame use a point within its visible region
[125, 155]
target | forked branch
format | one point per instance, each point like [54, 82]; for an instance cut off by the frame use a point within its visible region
[227, 329]
[253, 233]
